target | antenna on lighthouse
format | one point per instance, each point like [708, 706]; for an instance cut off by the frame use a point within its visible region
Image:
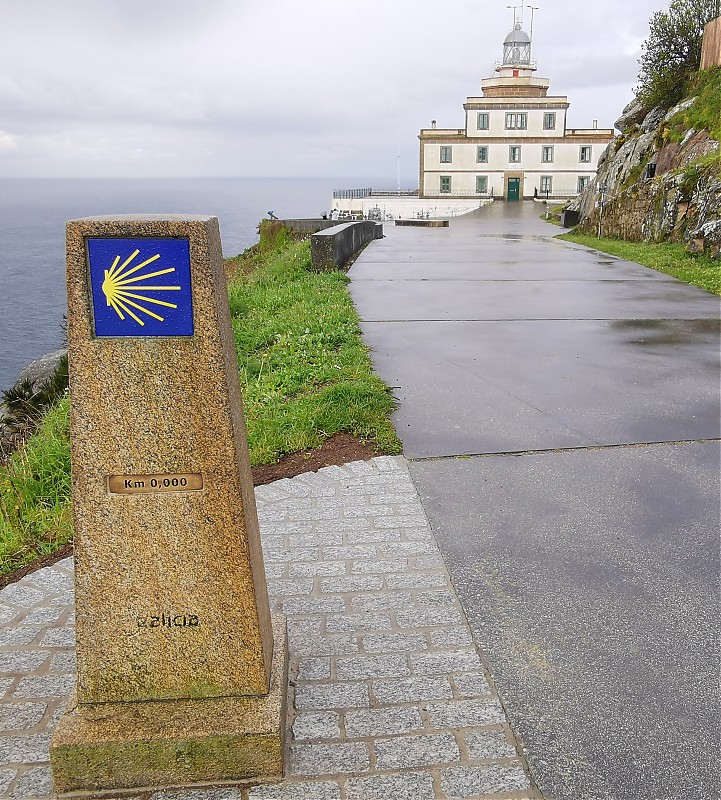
[516, 20]
[533, 10]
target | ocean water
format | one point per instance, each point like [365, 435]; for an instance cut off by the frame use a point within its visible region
[33, 214]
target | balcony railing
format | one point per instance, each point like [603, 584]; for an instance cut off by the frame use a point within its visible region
[530, 64]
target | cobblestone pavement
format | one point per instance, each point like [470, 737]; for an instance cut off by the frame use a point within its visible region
[391, 700]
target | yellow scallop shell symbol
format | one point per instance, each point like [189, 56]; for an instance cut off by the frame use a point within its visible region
[120, 289]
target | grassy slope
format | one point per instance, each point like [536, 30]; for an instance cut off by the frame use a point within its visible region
[705, 112]
[35, 493]
[303, 366]
[665, 257]
[305, 375]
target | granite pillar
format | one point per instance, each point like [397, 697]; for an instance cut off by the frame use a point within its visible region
[181, 671]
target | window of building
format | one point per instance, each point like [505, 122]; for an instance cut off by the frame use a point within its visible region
[446, 155]
[547, 154]
[514, 153]
[583, 181]
[585, 156]
[482, 184]
[546, 184]
[482, 124]
[482, 155]
[515, 121]
[445, 184]
[549, 121]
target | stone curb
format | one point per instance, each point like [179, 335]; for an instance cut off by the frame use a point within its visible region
[389, 698]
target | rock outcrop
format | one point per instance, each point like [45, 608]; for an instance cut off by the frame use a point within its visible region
[632, 115]
[657, 189]
[40, 371]
[38, 384]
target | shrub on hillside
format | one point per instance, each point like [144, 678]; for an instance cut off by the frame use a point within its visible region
[672, 52]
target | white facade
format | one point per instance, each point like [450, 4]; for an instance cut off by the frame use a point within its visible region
[515, 143]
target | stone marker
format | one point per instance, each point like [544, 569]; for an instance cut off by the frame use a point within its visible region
[181, 673]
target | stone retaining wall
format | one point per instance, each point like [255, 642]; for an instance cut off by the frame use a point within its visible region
[664, 210]
[423, 223]
[309, 225]
[332, 248]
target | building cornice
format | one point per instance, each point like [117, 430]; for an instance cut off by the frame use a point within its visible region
[601, 136]
[442, 134]
[592, 135]
[515, 80]
[529, 103]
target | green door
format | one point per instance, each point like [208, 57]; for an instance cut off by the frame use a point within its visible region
[514, 188]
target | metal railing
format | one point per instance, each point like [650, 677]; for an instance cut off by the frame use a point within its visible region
[351, 194]
[394, 193]
[356, 194]
[529, 64]
[546, 194]
[469, 195]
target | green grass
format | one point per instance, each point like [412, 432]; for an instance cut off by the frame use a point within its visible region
[35, 494]
[304, 370]
[665, 257]
[705, 113]
[554, 214]
[305, 375]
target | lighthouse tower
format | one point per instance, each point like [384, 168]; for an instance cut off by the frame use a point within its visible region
[516, 50]
[515, 74]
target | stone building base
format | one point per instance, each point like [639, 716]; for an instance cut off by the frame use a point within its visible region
[170, 743]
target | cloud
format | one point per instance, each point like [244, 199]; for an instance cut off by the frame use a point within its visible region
[7, 142]
[193, 87]
[598, 70]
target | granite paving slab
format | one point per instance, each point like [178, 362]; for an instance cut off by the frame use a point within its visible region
[389, 697]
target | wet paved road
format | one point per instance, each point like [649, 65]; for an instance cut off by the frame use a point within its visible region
[562, 410]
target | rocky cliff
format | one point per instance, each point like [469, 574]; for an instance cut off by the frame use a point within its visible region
[662, 179]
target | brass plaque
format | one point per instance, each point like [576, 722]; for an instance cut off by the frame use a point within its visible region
[150, 484]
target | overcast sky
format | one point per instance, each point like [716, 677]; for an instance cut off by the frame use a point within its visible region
[286, 88]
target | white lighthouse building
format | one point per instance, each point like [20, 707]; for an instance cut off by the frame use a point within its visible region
[515, 143]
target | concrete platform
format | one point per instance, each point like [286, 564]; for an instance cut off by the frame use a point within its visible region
[590, 578]
[469, 387]
[561, 412]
